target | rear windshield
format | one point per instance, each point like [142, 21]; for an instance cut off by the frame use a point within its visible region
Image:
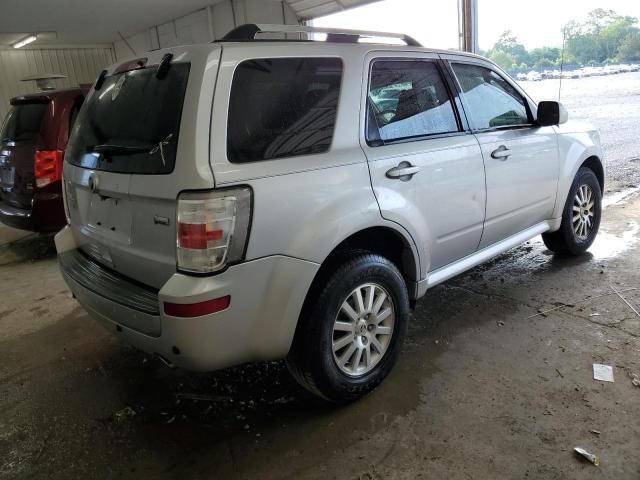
[131, 124]
[22, 123]
[283, 107]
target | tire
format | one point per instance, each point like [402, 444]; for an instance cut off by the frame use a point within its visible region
[332, 375]
[575, 237]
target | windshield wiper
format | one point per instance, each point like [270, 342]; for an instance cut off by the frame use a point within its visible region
[120, 149]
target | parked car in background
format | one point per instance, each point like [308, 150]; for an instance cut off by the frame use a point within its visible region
[33, 140]
[254, 200]
[534, 76]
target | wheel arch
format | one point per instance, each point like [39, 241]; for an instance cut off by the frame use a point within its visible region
[578, 150]
[595, 165]
[386, 241]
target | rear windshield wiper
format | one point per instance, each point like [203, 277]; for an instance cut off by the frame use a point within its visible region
[120, 149]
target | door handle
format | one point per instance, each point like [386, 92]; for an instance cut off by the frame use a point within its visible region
[501, 153]
[404, 172]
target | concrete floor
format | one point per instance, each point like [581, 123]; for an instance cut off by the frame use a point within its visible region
[484, 389]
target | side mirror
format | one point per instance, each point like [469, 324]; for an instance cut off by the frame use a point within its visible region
[551, 113]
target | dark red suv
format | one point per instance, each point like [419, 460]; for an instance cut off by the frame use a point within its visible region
[33, 139]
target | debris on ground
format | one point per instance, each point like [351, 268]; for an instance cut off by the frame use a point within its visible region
[207, 410]
[617, 292]
[603, 373]
[560, 305]
[587, 456]
[635, 379]
[126, 412]
[198, 397]
[595, 432]
[284, 400]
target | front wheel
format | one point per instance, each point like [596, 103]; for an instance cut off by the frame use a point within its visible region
[351, 329]
[580, 218]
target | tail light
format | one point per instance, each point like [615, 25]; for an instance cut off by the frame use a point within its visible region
[212, 229]
[47, 167]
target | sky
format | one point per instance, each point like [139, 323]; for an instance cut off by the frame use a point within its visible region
[536, 23]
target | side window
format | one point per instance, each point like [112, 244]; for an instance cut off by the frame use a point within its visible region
[492, 101]
[407, 99]
[282, 107]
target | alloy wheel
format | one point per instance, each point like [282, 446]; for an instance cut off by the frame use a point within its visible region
[363, 329]
[584, 210]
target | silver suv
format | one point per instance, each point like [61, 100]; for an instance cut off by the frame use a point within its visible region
[259, 199]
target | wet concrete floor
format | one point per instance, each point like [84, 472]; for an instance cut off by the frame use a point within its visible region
[487, 386]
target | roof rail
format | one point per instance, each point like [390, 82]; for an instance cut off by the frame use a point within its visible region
[249, 31]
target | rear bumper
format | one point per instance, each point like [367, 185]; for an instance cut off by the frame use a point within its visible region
[46, 215]
[266, 298]
[16, 217]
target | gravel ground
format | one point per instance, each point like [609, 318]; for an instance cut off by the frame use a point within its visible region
[612, 104]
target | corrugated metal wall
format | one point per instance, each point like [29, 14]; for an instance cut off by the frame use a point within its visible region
[80, 65]
[206, 25]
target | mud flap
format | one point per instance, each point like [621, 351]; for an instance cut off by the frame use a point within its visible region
[64, 240]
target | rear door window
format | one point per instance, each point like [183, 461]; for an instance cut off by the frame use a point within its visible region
[491, 100]
[408, 99]
[131, 124]
[283, 107]
[23, 121]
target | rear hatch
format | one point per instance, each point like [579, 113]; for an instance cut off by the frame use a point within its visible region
[19, 140]
[140, 139]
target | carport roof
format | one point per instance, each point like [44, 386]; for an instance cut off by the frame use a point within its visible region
[102, 22]
[309, 9]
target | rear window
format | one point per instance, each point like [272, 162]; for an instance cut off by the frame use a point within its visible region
[23, 121]
[131, 124]
[283, 107]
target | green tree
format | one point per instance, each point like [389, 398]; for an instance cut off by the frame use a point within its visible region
[508, 43]
[615, 32]
[598, 19]
[502, 58]
[547, 53]
[599, 37]
[544, 63]
[630, 47]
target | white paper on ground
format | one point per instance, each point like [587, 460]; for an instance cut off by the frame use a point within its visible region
[602, 372]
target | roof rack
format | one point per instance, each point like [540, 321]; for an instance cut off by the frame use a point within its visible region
[249, 31]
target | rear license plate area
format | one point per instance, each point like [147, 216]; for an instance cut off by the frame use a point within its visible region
[111, 217]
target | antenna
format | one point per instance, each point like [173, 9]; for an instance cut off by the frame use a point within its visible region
[564, 37]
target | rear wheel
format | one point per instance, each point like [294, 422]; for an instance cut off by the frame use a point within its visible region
[351, 329]
[580, 218]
